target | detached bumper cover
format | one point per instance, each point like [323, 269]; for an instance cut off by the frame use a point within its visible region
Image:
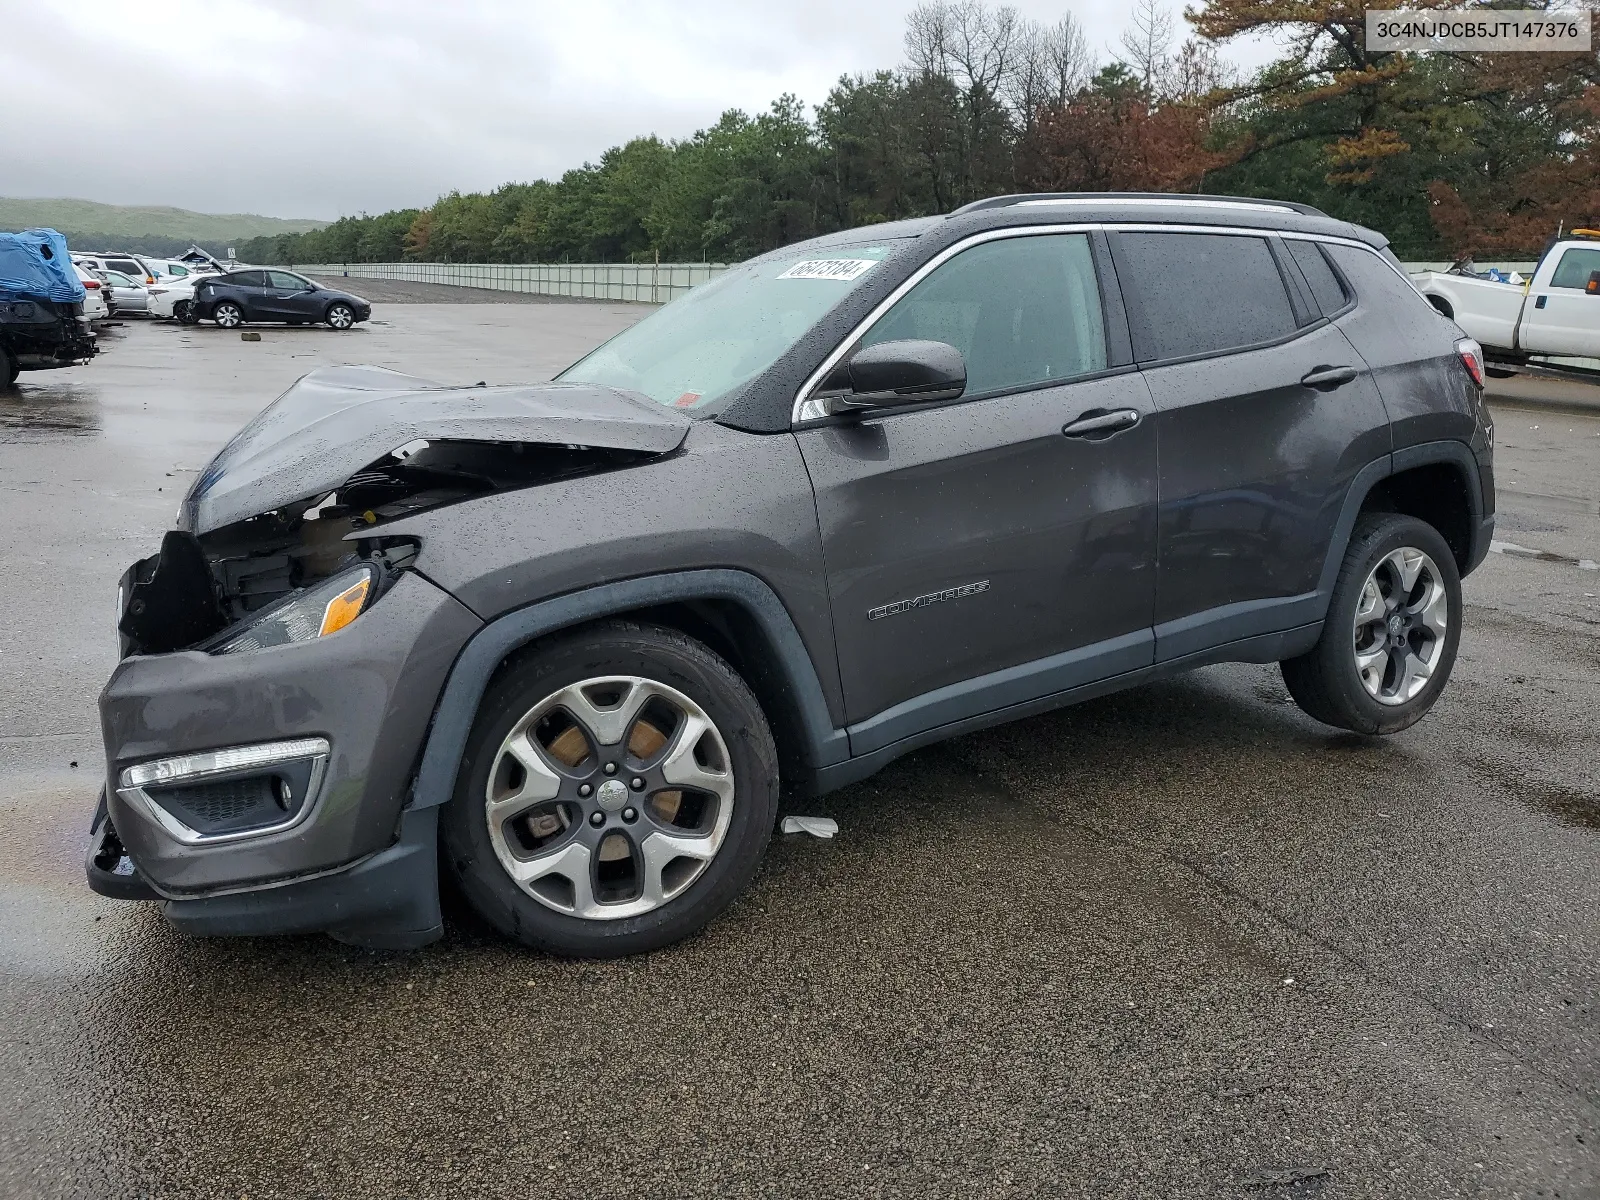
[369, 690]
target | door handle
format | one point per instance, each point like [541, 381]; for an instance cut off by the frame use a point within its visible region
[1096, 423]
[1325, 379]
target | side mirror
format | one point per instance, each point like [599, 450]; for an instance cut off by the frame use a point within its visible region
[1593, 286]
[904, 372]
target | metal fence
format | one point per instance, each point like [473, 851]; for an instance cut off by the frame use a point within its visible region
[649, 283]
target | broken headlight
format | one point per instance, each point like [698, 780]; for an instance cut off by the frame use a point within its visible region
[306, 615]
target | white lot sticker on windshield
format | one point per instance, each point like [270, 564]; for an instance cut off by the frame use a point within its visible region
[844, 269]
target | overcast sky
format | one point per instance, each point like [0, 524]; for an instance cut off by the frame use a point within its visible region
[319, 108]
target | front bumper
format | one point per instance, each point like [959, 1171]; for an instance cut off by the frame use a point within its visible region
[369, 691]
[387, 901]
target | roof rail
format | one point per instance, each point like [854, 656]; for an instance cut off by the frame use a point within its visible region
[1174, 198]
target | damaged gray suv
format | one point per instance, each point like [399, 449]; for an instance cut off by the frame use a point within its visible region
[574, 641]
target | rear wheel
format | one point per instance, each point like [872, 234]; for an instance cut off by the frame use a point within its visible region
[184, 311]
[341, 316]
[617, 793]
[1389, 640]
[9, 370]
[228, 315]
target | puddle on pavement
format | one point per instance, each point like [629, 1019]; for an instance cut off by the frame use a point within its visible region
[1569, 805]
[47, 412]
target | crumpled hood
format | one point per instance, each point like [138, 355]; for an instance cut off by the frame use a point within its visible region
[337, 420]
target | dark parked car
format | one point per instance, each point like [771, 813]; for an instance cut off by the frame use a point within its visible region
[850, 498]
[261, 295]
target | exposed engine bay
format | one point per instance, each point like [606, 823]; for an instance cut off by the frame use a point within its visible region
[198, 586]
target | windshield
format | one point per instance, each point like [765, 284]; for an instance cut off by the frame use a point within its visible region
[694, 351]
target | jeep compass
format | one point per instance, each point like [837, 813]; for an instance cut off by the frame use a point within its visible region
[570, 642]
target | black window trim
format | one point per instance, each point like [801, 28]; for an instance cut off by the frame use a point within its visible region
[1307, 312]
[800, 418]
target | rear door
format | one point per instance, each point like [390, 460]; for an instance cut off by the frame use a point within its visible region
[248, 289]
[1560, 316]
[975, 540]
[1265, 413]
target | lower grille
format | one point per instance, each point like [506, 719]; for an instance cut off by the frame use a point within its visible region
[232, 805]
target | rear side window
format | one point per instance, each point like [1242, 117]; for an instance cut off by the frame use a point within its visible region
[1326, 289]
[1023, 311]
[1201, 293]
[122, 264]
[1576, 266]
[247, 279]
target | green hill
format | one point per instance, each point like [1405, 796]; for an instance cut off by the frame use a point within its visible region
[124, 221]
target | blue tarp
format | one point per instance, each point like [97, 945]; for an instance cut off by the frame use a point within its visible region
[35, 264]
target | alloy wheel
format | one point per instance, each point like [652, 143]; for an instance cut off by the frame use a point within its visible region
[228, 316]
[610, 797]
[340, 317]
[1400, 625]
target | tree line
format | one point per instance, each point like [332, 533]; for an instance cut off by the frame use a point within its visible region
[1446, 154]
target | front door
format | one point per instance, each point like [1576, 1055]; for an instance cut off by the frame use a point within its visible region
[978, 555]
[1265, 415]
[287, 297]
[1562, 317]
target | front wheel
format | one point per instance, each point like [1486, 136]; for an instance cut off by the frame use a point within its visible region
[228, 315]
[341, 316]
[1389, 640]
[617, 793]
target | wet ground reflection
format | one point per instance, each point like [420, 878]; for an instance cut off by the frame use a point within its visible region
[47, 411]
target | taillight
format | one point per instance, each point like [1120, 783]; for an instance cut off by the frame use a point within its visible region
[1472, 358]
[91, 283]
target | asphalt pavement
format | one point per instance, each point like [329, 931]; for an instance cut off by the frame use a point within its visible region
[1178, 942]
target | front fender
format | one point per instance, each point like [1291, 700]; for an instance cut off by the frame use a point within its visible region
[823, 744]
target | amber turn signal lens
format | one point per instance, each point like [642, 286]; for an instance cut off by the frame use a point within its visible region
[344, 608]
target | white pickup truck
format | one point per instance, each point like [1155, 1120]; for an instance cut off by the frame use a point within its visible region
[1557, 311]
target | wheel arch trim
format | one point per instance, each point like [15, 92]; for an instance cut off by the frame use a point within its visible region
[1447, 452]
[824, 744]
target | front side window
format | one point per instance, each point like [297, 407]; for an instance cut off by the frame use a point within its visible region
[1022, 310]
[286, 282]
[695, 351]
[176, 271]
[1575, 268]
[1201, 293]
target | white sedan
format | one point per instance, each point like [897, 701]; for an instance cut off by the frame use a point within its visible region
[170, 298]
[94, 298]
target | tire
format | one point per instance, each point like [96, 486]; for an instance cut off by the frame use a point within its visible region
[228, 315]
[636, 696]
[1494, 372]
[9, 370]
[340, 316]
[184, 311]
[1366, 673]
